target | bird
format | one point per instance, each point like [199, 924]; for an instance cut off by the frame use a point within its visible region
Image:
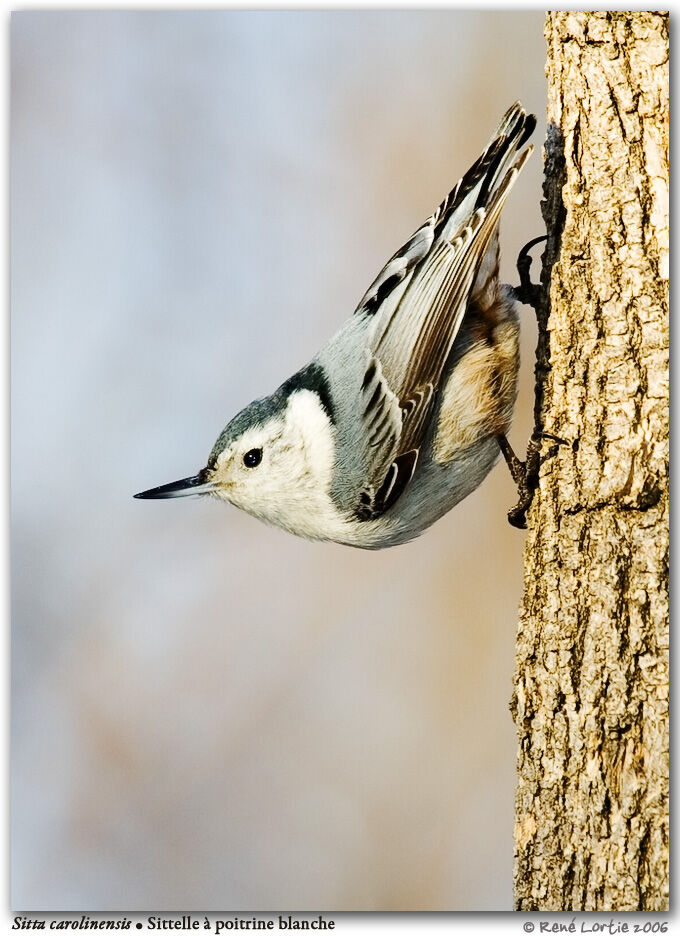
[406, 409]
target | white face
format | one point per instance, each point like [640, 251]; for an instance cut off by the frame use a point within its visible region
[281, 471]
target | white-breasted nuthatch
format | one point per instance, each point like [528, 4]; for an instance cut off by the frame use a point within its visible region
[405, 410]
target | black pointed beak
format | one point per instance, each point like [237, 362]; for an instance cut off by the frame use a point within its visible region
[197, 484]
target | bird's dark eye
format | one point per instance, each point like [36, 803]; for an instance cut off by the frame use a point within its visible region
[252, 458]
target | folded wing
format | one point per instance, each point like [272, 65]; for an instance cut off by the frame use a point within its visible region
[417, 304]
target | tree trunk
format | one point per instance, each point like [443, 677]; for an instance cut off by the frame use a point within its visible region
[591, 681]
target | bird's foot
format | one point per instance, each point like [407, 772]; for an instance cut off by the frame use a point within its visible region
[525, 473]
[527, 292]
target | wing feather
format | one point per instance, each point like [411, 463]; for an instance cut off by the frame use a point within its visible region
[417, 304]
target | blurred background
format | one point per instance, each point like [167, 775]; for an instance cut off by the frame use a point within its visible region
[208, 713]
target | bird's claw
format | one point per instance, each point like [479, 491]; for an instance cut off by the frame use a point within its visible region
[527, 292]
[525, 473]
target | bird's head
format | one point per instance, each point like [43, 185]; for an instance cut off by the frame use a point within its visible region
[274, 460]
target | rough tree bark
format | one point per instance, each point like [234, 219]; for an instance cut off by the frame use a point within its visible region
[591, 681]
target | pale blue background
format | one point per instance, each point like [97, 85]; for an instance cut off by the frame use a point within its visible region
[208, 713]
